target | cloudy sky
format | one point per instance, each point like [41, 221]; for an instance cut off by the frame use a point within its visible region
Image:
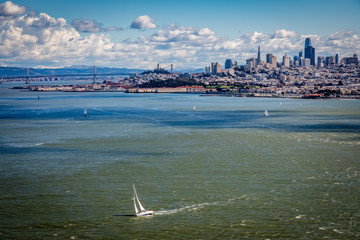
[188, 34]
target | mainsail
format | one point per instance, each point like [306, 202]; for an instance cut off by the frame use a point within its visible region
[136, 199]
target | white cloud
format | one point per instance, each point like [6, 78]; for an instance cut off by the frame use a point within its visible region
[143, 22]
[91, 26]
[9, 9]
[85, 25]
[42, 40]
[285, 34]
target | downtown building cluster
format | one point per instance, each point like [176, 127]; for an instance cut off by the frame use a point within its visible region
[304, 59]
[298, 76]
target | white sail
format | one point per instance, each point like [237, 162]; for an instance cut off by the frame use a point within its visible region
[85, 112]
[136, 209]
[138, 201]
[194, 108]
[266, 113]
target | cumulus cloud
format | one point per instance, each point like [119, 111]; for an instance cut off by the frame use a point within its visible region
[143, 22]
[189, 35]
[34, 40]
[283, 33]
[10, 10]
[90, 26]
[84, 25]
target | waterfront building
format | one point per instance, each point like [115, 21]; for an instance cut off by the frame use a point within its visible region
[228, 64]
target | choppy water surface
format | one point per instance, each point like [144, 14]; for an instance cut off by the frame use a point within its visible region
[224, 171]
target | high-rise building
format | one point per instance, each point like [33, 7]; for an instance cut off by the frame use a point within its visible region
[215, 68]
[259, 56]
[286, 61]
[251, 62]
[271, 59]
[207, 69]
[228, 64]
[305, 62]
[309, 51]
[300, 54]
[321, 61]
[337, 59]
[351, 60]
[329, 60]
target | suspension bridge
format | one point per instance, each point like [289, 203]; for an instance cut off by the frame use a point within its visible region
[94, 75]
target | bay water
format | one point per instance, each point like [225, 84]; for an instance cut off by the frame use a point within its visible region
[223, 171]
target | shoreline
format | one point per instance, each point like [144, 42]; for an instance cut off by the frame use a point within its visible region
[183, 90]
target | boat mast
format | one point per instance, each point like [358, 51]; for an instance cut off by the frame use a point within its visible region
[138, 201]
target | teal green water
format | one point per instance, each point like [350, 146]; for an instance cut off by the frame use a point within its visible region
[222, 172]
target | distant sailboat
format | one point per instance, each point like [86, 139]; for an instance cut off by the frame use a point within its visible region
[142, 211]
[85, 112]
[266, 113]
[194, 108]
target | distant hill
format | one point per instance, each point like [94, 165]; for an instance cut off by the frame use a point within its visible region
[15, 71]
[77, 69]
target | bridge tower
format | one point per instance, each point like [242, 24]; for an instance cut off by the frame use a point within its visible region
[27, 76]
[94, 74]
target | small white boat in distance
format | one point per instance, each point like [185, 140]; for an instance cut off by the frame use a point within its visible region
[194, 108]
[142, 211]
[85, 112]
[266, 113]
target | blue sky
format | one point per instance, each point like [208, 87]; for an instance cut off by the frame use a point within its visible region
[187, 33]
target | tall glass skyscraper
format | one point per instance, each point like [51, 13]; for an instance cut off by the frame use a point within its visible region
[309, 51]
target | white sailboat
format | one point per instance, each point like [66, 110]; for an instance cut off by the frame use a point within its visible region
[142, 211]
[194, 108]
[266, 113]
[85, 112]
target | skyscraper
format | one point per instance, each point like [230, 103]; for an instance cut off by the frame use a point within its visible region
[286, 61]
[259, 56]
[228, 64]
[271, 59]
[309, 51]
[215, 68]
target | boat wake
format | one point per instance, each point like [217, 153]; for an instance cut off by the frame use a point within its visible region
[195, 207]
[25, 145]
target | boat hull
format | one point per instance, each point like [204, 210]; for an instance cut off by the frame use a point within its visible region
[144, 213]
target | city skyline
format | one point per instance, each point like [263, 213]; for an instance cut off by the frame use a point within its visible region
[139, 34]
